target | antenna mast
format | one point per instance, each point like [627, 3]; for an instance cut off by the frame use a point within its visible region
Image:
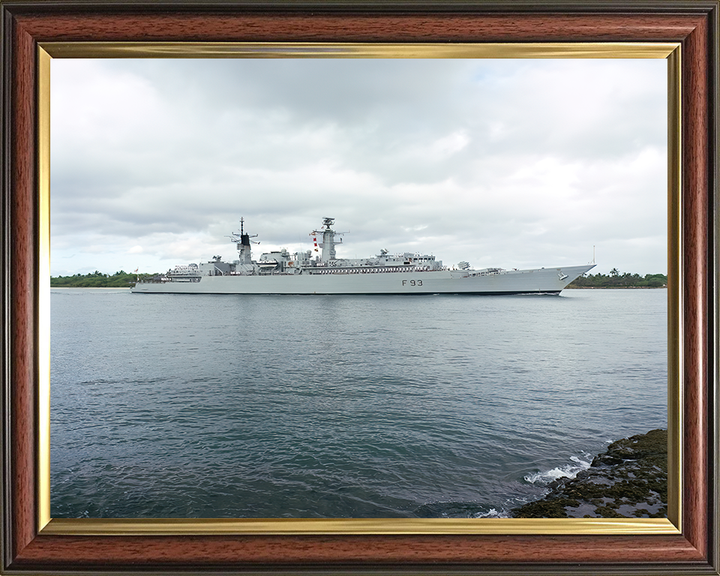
[329, 242]
[243, 243]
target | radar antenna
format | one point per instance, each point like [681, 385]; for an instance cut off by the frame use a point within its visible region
[235, 237]
[242, 238]
[328, 239]
[243, 243]
[242, 222]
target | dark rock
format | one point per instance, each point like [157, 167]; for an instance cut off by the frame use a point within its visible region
[628, 480]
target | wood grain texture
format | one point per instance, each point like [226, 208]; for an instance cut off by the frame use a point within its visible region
[317, 550]
[649, 554]
[22, 293]
[697, 230]
[290, 27]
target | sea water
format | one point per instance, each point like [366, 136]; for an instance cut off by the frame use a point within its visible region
[239, 406]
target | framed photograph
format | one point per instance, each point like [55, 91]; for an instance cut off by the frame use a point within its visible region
[35, 34]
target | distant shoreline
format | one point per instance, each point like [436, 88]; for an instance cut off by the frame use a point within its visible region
[126, 280]
[91, 287]
[617, 280]
[566, 288]
[571, 287]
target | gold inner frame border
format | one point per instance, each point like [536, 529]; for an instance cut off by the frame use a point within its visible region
[381, 526]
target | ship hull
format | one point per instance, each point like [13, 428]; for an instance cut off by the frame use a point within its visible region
[533, 281]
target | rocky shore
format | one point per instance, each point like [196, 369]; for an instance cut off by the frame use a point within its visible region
[628, 480]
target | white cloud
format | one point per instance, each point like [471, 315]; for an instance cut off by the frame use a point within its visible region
[509, 163]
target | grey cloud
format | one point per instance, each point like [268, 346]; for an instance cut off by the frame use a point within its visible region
[471, 150]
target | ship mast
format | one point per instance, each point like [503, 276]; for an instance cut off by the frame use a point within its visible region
[328, 242]
[243, 244]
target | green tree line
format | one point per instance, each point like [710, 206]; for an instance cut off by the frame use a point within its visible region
[617, 280]
[126, 279]
[97, 280]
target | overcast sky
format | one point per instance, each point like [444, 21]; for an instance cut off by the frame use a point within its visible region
[508, 163]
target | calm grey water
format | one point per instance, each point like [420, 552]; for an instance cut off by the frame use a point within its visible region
[342, 406]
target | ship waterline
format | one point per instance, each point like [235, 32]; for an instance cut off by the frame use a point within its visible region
[280, 272]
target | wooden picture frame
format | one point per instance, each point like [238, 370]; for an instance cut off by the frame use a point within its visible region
[31, 545]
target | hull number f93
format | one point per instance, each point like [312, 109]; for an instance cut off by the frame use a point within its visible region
[412, 282]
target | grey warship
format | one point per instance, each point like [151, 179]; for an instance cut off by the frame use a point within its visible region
[319, 271]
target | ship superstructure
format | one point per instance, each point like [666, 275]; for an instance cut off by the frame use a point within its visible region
[319, 271]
